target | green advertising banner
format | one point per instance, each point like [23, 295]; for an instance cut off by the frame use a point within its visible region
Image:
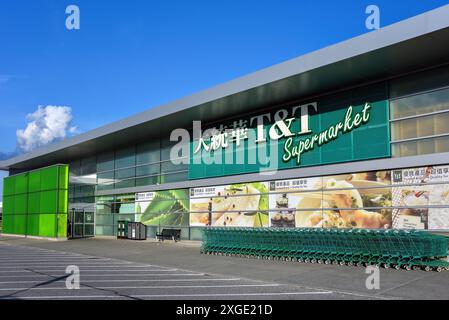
[168, 208]
[346, 127]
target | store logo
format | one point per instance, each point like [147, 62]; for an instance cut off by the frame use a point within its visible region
[244, 142]
[397, 176]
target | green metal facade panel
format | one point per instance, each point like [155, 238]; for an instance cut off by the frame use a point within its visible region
[50, 178]
[34, 200]
[35, 203]
[49, 201]
[21, 184]
[61, 225]
[368, 141]
[8, 186]
[63, 177]
[21, 204]
[34, 181]
[8, 205]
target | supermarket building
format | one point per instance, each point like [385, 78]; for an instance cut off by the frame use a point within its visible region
[354, 135]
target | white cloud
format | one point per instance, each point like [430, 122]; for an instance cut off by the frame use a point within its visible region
[47, 124]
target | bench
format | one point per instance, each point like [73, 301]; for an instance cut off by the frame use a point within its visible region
[172, 234]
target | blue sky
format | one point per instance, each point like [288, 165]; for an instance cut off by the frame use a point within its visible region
[132, 55]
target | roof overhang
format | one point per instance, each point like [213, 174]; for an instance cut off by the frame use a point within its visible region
[413, 44]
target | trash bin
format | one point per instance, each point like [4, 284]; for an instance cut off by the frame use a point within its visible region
[137, 231]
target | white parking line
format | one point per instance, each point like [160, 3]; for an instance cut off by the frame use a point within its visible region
[92, 266]
[129, 280]
[62, 264]
[110, 275]
[86, 271]
[263, 294]
[55, 259]
[146, 287]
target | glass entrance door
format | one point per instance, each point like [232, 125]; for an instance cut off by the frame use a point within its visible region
[81, 224]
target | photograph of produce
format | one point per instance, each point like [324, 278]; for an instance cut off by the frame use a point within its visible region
[169, 208]
[244, 205]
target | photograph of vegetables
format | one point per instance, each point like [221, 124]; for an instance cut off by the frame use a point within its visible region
[244, 205]
[164, 208]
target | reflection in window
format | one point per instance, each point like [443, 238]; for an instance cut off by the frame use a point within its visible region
[125, 158]
[129, 183]
[105, 161]
[105, 177]
[146, 181]
[420, 104]
[148, 170]
[125, 173]
[169, 166]
[174, 177]
[420, 127]
[419, 147]
[148, 153]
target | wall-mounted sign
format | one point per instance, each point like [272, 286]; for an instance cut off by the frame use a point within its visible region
[350, 122]
[282, 128]
[347, 127]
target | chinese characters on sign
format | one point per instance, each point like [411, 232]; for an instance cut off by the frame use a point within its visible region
[282, 127]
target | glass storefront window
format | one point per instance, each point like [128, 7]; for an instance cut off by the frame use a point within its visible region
[418, 147]
[104, 219]
[419, 82]
[125, 158]
[148, 153]
[106, 186]
[105, 161]
[105, 177]
[129, 183]
[88, 166]
[130, 197]
[148, 170]
[169, 166]
[174, 177]
[166, 148]
[125, 173]
[104, 208]
[104, 230]
[74, 168]
[420, 127]
[146, 181]
[126, 207]
[420, 104]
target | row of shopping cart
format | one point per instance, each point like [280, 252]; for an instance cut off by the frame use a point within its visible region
[407, 249]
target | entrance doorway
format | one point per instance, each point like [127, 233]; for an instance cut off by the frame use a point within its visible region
[81, 224]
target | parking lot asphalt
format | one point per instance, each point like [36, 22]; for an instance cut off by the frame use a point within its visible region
[125, 269]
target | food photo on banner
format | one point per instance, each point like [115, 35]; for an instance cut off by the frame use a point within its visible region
[242, 205]
[422, 198]
[344, 201]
